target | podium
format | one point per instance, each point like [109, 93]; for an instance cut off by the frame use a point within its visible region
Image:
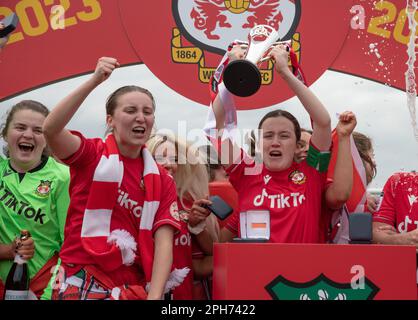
[265, 271]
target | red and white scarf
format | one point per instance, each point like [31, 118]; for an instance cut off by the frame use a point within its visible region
[358, 197]
[111, 249]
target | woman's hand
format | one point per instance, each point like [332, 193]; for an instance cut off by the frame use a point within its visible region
[25, 248]
[238, 52]
[104, 69]
[347, 123]
[198, 212]
[280, 55]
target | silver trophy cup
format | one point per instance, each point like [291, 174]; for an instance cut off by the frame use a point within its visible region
[242, 77]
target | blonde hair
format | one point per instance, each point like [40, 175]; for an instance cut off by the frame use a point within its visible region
[191, 177]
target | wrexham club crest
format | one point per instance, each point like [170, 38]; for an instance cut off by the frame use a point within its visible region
[44, 188]
[183, 41]
[320, 288]
[214, 24]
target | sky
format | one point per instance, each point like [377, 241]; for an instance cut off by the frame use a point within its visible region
[382, 112]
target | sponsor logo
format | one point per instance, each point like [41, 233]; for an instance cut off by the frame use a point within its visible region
[320, 288]
[404, 225]
[20, 207]
[184, 239]
[412, 199]
[44, 188]
[279, 201]
[266, 179]
[129, 204]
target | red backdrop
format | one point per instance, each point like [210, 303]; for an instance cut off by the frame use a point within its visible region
[39, 53]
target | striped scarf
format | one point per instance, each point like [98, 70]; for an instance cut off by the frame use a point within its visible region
[112, 249]
[339, 224]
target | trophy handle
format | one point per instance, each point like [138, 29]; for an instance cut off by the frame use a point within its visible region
[267, 55]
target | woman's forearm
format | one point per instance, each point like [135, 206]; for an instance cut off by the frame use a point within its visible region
[317, 111]
[66, 108]
[163, 260]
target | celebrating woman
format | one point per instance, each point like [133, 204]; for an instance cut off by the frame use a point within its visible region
[123, 211]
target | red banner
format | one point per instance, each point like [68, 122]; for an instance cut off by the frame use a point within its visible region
[182, 44]
[376, 47]
[54, 43]
[182, 41]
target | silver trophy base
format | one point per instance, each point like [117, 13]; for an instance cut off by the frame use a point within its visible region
[242, 78]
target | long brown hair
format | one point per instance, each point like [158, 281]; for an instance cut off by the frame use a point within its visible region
[364, 146]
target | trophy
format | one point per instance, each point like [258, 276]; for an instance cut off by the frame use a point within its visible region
[242, 77]
[10, 24]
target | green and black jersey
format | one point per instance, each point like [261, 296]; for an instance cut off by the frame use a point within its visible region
[36, 201]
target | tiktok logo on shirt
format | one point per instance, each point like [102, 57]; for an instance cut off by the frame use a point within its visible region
[403, 226]
[279, 201]
[132, 205]
[183, 240]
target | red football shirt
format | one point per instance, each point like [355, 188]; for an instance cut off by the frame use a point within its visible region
[126, 213]
[399, 205]
[292, 196]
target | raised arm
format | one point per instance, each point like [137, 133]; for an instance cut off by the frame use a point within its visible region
[321, 122]
[229, 151]
[62, 143]
[339, 191]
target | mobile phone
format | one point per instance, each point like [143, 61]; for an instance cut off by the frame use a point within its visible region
[10, 24]
[219, 207]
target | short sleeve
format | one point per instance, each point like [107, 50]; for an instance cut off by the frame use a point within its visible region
[87, 152]
[386, 213]
[244, 166]
[168, 213]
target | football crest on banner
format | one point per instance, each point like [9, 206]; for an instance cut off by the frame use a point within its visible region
[211, 25]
